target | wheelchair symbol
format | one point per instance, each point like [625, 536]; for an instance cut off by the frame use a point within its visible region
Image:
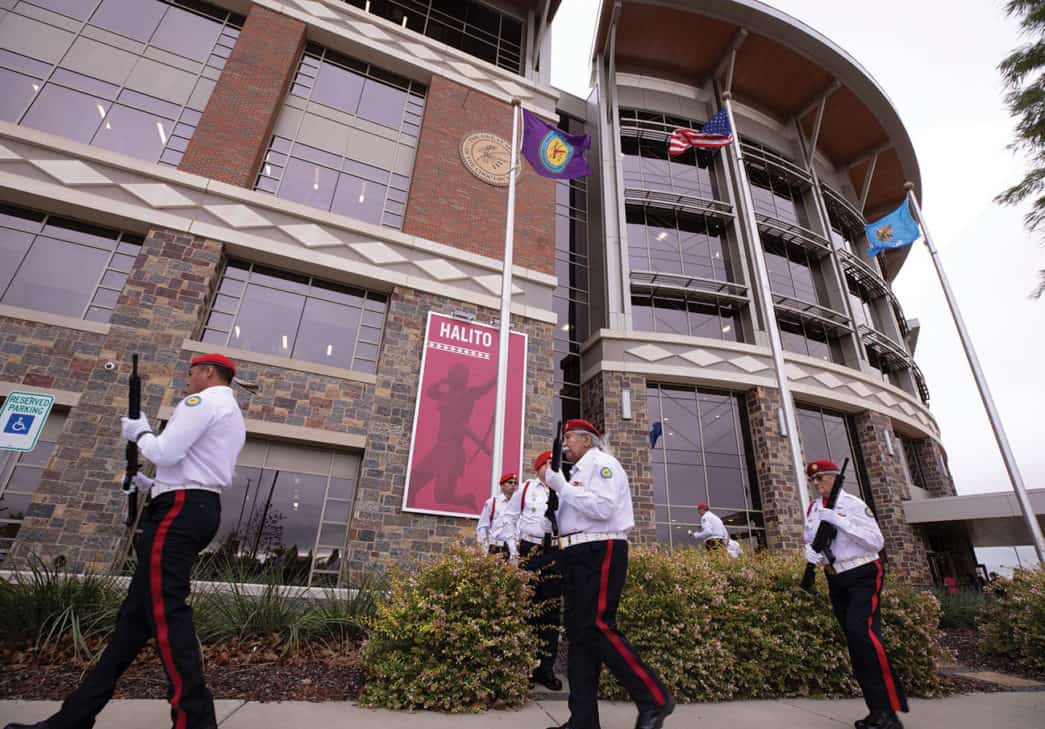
[19, 424]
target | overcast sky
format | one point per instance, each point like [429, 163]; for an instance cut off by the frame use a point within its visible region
[937, 60]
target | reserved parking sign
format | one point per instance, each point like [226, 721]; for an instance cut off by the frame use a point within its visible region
[22, 420]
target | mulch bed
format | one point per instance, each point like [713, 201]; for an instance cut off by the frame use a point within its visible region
[965, 645]
[249, 670]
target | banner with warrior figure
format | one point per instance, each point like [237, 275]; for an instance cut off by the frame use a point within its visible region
[448, 471]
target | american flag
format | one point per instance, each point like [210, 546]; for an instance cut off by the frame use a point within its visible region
[716, 133]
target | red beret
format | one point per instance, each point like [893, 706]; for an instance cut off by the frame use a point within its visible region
[541, 460]
[821, 466]
[508, 477]
[215, 359]
[578, 424]
[703, 506]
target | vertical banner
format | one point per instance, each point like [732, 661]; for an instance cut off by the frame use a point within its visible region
[448, 471]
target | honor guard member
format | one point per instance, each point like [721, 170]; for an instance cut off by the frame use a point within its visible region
[595, 516]
[496, 528]
[712, 531]
[855, 586]
[529, 508]
[195, 456]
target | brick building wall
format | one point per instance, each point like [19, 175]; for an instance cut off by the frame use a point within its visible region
[449, 205]
[234, 130]
[78, 509]
[905, 550]
[781, 506]
[381, 532]
[628, 440]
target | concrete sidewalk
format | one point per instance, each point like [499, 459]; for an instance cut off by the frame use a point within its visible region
[970, 711]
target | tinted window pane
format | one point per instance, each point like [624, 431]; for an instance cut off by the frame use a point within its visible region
[359, 199]
[382, 104]
[16, 91]
[268, 320]
[308, 184]
[134, 133]
[327, 333]
[133, 18]
[68, 113]
[57, 277]
[338, 87]
[187, 34]
[13, 247]
[78, 9]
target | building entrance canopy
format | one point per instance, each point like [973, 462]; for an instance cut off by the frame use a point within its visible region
[989, 520]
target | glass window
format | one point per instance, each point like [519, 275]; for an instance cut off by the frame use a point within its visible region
[808, 338]
[776, 191]
[826, 434]
[287, 513]
[61, 266]
[66, 102]
[791, 270]
[682, 243]
[688, 318]
[20, 475]
[297, 317]
[700, 453]
[648, 166]
[335, 181]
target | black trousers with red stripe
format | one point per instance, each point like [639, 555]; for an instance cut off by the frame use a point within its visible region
[856, 599]
[593, 577]
[547, 592]
[176, 527]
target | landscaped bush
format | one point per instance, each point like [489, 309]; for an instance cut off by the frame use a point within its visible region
[50, 610]
[452, 636]
[959, 610]
[1014, 625]
[718, 628]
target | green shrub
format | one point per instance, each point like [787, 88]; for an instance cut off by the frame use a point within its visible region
[52, 609]
[961, 609]
[717, 628]
[452, 636]
[1014, 626]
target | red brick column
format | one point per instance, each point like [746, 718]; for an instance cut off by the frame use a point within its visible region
[905, 551]
[628, 440]
[781, 504]
[234, 130]
[450, 205]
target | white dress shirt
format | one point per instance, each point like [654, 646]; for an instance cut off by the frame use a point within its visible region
[858, 533]
[201, 442]
[496, 526]
[528, 506]
[597, 497]
[711, 527]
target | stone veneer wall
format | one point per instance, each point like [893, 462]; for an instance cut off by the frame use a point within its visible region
[781, 506]
[905, 550]
[381, 532]
[78, 510]
[628, 440]
[933, 461]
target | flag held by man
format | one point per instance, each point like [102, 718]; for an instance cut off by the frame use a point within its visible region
[552, 152]
[895, 230]
[716, 133]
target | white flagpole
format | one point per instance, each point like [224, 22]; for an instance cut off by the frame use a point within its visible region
[496, 463]
[981, 384]
[789, 418]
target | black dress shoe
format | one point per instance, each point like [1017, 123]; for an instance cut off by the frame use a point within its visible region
[547, 679]
[654, 718]
[862, 723]
[883, 720]
[567, 725]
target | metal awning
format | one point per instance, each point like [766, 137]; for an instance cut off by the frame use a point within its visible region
[990, 520]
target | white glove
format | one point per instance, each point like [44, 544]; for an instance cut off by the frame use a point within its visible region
[141, 482]
[832, 517]
[813, 557]
[133, 429]
[555, 480]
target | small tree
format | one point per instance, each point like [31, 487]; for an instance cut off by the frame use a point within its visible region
[1024, 74]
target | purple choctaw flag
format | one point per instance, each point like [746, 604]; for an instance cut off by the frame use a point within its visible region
[552, 152]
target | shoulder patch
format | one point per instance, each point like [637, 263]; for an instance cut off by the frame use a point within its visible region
[605, 472]
[193, 400]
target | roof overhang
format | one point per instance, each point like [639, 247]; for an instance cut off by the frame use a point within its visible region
[991, 520]
[782, 68]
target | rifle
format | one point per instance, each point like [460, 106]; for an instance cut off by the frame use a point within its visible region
[825, 534]
[134, 407]
[553, 498]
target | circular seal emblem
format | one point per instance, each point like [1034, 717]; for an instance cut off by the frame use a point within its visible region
[487, 156]
[193, 400]
[555, 152]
